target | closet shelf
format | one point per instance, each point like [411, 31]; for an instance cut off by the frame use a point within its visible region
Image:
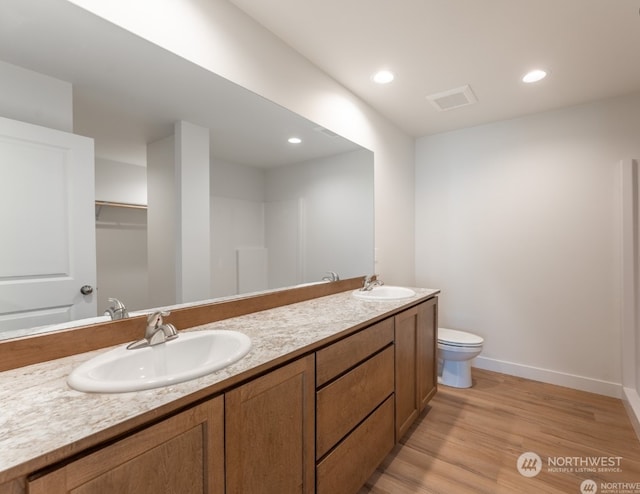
[102, 204]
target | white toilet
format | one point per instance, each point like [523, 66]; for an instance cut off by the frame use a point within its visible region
[456, 349]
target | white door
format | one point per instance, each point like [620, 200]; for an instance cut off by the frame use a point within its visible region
[47, 226]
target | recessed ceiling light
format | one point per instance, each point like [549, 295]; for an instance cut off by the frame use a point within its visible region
[294, 140]
[534, 76]
[383, 77]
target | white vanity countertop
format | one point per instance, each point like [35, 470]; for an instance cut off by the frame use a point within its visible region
[40, 413]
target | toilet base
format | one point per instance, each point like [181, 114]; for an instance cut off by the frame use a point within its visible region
[456, 374]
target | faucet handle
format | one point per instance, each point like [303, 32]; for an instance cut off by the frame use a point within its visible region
[170, 331]
[116, 303]
[157, 332]
[116, 310]
[331, 276]
[370, 281]
[155, 319]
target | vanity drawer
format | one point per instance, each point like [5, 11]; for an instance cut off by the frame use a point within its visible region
[352, 462]
[344, 403]
[337, 358]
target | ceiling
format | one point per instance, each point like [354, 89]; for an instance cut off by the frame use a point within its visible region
[128, 92]
[591, 49]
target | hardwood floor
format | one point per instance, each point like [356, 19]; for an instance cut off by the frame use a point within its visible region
[470, 441]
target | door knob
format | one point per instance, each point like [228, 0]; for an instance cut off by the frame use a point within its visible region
[86, 290]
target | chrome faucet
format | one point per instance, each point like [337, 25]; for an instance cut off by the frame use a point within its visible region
[116, 310]
[156, 332]
[331, 276]
[370, 281]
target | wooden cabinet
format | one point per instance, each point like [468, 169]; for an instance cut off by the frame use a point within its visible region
[264, 430]
[354, 408]
[270, 430]
[322, 423]
[16, 486]
[416, 363]
[183, 454]
[349, 465]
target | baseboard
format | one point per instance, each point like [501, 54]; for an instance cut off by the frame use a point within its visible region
[631, 402]
[551, 377]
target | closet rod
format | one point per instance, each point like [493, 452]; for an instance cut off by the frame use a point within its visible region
[121, 204]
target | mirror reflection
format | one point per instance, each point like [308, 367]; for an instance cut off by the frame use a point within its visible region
[279, 214]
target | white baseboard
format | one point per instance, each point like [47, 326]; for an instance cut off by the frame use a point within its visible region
[631, 402]
[551, 377]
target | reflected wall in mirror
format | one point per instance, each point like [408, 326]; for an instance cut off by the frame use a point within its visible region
[280, 214]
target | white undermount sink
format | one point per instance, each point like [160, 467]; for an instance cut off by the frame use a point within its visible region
[192, 354]
[384, 292]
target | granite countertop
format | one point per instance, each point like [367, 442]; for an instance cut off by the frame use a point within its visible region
[40, 413]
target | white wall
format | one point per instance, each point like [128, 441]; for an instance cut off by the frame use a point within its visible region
[193, 199]
[120, 182]
[121, 235]
[333, 197]
[237, 181]
[311, 217]
[178, 220]
[630, 284]
[35, 98]
[518, 223]
[216, 35]
[121, 257]
[162, 222]
[237, 220]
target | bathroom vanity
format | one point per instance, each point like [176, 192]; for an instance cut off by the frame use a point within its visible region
[330, 385]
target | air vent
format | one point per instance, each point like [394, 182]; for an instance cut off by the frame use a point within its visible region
[454, 98]
[326, 132]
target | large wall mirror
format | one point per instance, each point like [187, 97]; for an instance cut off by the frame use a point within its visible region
[281, 214]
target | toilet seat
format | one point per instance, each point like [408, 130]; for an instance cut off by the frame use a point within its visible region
[455, 338]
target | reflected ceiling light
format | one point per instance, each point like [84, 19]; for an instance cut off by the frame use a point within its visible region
[383, 77]
[294, 140]
[534, 76]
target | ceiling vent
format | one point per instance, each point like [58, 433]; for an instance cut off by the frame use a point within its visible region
[454, 98]
[326, 132]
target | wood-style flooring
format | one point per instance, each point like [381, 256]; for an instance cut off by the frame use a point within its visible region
[470, 440]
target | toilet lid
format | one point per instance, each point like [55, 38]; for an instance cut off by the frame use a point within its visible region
[458, 338]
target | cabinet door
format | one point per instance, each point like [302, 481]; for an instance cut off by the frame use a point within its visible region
[416, 376]
[427, 380]
[183, 454]
[270, 424]
[16, 486]
[407, 405]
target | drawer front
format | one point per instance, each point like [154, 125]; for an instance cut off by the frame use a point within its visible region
[337, 358]
[347, 468]
[341, 405]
